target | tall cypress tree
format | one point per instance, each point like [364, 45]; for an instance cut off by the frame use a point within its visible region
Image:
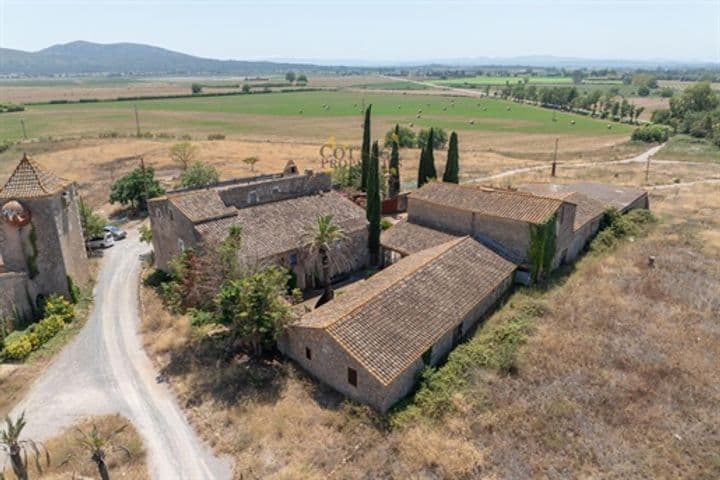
[373, 204]
[452, 167]
[422, 177]
[430, 171]
[365, 151]
[394, 178]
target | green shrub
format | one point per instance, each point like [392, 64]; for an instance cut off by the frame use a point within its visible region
[618, 226]
[18, 348]
[48, 327]
[652, 133]
[33, 337]
[57, 305]
[216, 136]
[75, 292]
[406, 137]
[201, 317]
[385, 224]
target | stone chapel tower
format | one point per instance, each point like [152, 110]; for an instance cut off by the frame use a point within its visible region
[41, 239]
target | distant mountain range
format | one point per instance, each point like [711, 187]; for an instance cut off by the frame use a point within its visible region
[82, 57]
[126, 58]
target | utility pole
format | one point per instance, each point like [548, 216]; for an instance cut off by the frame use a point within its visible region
[647, 170]
[137, 121]
[22, 122]
[554, 164]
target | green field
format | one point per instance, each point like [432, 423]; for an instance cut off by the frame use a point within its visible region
[484, 80]
[399, 85]
[293, 114]
[689, 149]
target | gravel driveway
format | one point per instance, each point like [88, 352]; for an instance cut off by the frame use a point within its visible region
[105, 370]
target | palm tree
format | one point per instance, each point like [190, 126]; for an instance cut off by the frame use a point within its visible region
[18, 449]
[322, 239]
[96, 445]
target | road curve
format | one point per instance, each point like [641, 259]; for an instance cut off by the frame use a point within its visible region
[105, 370]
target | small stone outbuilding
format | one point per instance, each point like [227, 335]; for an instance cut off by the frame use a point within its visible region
[372, 341]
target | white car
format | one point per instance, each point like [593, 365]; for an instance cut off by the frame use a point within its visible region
[106, 240]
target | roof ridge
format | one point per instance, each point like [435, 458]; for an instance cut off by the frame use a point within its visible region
[443, 248]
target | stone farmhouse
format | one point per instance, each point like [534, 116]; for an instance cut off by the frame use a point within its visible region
[42, 248]
[502, 220]
[372, 341]
[276, 214]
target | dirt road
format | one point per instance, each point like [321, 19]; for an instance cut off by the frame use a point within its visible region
[105, 370]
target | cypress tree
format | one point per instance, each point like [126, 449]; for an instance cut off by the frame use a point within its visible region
[422, 177]
[452, 167]
[394, 179]
[430, 171]
[373, 204]
[365, 151]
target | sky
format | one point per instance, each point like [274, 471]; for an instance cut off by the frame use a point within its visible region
[376, 30]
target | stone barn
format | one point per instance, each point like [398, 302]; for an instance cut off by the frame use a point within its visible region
[503, 220]
[276, 214]
[41, 241]
[372, 341]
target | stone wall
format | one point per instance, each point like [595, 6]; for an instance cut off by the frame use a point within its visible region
[14, 296]
[446, 219]
[285, 187]
[171, 231]
[329, 361]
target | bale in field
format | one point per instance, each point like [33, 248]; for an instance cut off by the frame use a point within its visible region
[410, 124]
[472, 122]
[419, 116]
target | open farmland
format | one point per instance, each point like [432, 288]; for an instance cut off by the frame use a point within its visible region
[305, 114]
[484, 80]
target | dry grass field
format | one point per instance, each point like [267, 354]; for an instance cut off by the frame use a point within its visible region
[68, 459]
[95, 163]
[618, 379]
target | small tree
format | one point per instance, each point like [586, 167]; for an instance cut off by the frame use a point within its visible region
[254, 309]
[251, 161]
[365, 150]
[19, 450]
[196, 88]
[97, 445]
[440, 138]
[323, 239]
[394, 173]
[245, 88]
[136, 188]
[290, 77]
[452, 167]
[92, 223]
[199, 175]
[373, 207]
[404, 136]
[302, 78]
[146, 235]
[183, 153]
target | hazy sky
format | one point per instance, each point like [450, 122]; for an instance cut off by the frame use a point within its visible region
[389, 30]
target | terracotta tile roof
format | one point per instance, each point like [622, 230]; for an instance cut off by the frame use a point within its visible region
[201, 205]
[407, 238]
[619, 197]
[508, 204]
[587, 209]
[31, 180]
[388, 321]
[274, 228]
